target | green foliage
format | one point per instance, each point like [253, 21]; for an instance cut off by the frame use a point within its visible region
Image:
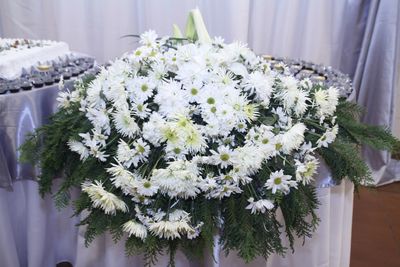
[250, 235]
[376, 137]
[298, 209]
[344, 160]
[343, 156]
[153, 247]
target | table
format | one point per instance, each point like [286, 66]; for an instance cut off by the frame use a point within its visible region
[34, 233]
[20, 114]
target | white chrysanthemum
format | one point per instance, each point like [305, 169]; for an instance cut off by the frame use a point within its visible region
[239, 69]
[66, 98]
[148, 38]
[259, 206]
[170, 229]
[141, 152]
[328, 137]
[278, 181]
[290, 92]
[94, 145]
[293, 138]
[107, 201]
[306, 170]
[79, 148]
[193, 90]
[114, 91]
[122, 178]
[306, 83]
[225, 190]
[178, 215]
[99, 118]
[171, 99]
[301, 104]
[136, 229]
[125, 153]
[333, 99]
[141, 53]
[153, 129]
[326, 101]
[179, 179]
[261, 85]
[248, 159]
[140, 89]
[125, 123]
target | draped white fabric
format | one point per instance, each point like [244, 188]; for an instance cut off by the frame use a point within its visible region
[314, 30]
[377, 79]
[34, 233]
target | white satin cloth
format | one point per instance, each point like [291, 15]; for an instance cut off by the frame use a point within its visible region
[13, 61]
[33, 233]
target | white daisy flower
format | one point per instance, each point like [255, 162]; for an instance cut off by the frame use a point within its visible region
[278, 181]
[146, 188]
[224, 157]
[306, 170]
[225, 190]
[141, 110]
[328, 137]
[259, 206]
[141, 151]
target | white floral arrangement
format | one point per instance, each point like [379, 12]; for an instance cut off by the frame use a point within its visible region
[197, 107]
[181, 140]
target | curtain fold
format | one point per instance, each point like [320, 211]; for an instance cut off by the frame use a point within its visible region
[376, 81]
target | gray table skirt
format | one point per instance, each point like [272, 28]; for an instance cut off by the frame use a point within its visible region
[20, 114]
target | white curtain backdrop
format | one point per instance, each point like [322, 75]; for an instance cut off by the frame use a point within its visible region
[314, 30]
[377, 80]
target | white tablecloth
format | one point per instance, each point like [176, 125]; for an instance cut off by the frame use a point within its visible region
[33, 233]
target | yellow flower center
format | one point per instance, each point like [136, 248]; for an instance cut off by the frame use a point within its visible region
[278, 181]
[140, 149]
[144, 87]
[211, 101]
[194, 91]
[224, 157]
